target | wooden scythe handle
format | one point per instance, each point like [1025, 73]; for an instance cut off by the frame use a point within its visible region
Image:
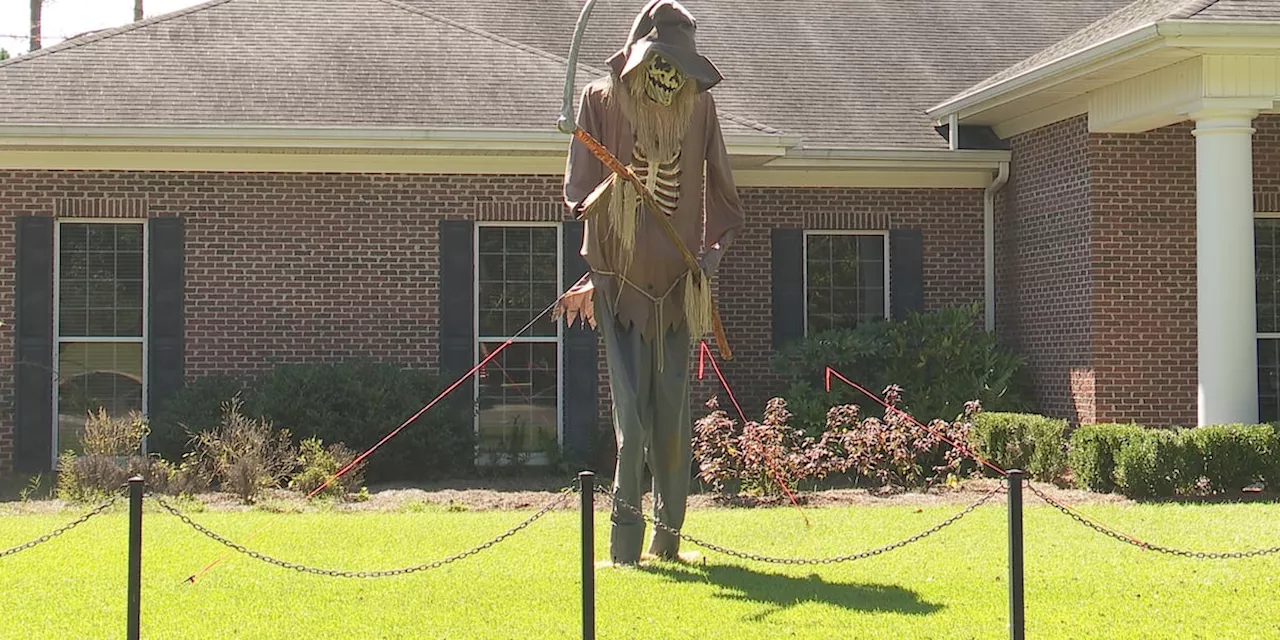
[611, 161]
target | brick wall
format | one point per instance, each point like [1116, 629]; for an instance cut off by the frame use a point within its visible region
[284, 268]
[1044, 285]
[1143, 251]
[1096, 266]
[951, 221]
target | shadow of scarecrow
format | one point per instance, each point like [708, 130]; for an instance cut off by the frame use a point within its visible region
[781, 591]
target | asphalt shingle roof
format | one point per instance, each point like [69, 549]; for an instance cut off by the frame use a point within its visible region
[1240, 10]
[1129, 18]
[849, 73]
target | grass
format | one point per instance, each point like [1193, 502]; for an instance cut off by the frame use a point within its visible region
[952, 585]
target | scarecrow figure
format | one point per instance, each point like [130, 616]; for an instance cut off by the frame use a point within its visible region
[654, 113]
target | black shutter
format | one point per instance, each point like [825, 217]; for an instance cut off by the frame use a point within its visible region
[788, 286]
[33, 387]
[457, 307]
[906, 272]
[581, 404]
[165, 335]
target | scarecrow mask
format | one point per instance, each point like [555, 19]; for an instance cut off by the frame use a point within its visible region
[663, 80]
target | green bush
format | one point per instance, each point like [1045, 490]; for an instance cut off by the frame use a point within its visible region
[1234, 456]
[1092, 456]
[352, 403]
[317, 464]
[940, 359]
[1159, 462]
[358, 402]
[1022, 441]
[1155, 463]
[196, 407]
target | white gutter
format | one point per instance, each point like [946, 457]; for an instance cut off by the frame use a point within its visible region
[944, 159]
[404, 139]
[989, 243]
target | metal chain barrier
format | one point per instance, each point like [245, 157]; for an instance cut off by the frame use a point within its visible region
[1127, 539]
[804, 561]
[564, 494]
[63, 529]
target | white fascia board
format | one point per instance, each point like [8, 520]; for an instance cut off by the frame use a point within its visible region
[1055, 71]
[383, 139]
[1209, 36]
[929, 159]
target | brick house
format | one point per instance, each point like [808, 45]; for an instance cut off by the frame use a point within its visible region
[252, 182]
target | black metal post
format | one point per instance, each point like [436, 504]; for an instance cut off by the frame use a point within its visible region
[1017, 608]
[135, 558]
[587, 485]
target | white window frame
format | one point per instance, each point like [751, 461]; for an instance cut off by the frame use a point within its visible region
[533, 458]
[59, 339]
[841, 232]
[1259, 335]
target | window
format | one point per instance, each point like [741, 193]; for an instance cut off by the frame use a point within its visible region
[100, 304]
[518, 392]
[846, 278]
[1266, 246]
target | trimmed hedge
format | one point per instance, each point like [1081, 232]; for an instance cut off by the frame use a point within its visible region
[1146, 463]
[1022, 441]
[1093, 454]
[354, 403]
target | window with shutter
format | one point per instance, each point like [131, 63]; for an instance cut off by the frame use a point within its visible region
[846, 278]
[100, 302]
[518, 392]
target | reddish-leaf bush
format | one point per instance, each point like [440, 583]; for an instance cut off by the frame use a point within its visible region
[889, 452]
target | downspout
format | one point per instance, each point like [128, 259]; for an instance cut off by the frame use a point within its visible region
[989, 242]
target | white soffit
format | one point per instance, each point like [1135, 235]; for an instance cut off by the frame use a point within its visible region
[1115, 80]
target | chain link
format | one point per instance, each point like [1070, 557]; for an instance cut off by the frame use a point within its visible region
[1127, 539]
[63, 529]
[803, 561]
[564, 494]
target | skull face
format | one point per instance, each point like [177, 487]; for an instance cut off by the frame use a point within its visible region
[663, 80]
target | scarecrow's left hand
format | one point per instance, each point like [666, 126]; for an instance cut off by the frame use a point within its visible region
[710, 261]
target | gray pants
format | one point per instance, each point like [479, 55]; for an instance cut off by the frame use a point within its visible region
[652, 423]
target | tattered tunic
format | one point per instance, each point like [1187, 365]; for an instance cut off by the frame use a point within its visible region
[649, 287]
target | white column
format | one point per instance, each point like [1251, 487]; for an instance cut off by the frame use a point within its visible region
[1227, 321]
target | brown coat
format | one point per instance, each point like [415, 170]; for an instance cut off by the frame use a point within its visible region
[656, 265]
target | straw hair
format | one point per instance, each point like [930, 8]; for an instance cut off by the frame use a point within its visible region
[697, 304]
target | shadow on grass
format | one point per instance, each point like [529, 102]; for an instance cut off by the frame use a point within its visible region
[781, 591]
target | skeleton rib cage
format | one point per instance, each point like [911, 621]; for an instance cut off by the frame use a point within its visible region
[662, 179]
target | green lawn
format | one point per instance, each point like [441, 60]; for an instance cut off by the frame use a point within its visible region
[951, 585]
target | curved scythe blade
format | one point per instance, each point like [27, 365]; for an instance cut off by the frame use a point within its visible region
[566, 123]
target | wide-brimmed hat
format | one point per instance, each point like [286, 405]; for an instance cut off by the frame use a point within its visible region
[666, 27]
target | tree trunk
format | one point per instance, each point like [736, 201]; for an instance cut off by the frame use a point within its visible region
[36, 7]
[137, 10]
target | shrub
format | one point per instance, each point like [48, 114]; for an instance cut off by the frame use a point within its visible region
[246, 456]
[111, 455]
[764, 457]
[194, 408]
[1022, 441]
[355, 403]
[359, 402]
[108, 436]
[769, 455]
[1234, 456]
[942, 359]
[1092, 455]
[317, 464]
[1155, 463]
